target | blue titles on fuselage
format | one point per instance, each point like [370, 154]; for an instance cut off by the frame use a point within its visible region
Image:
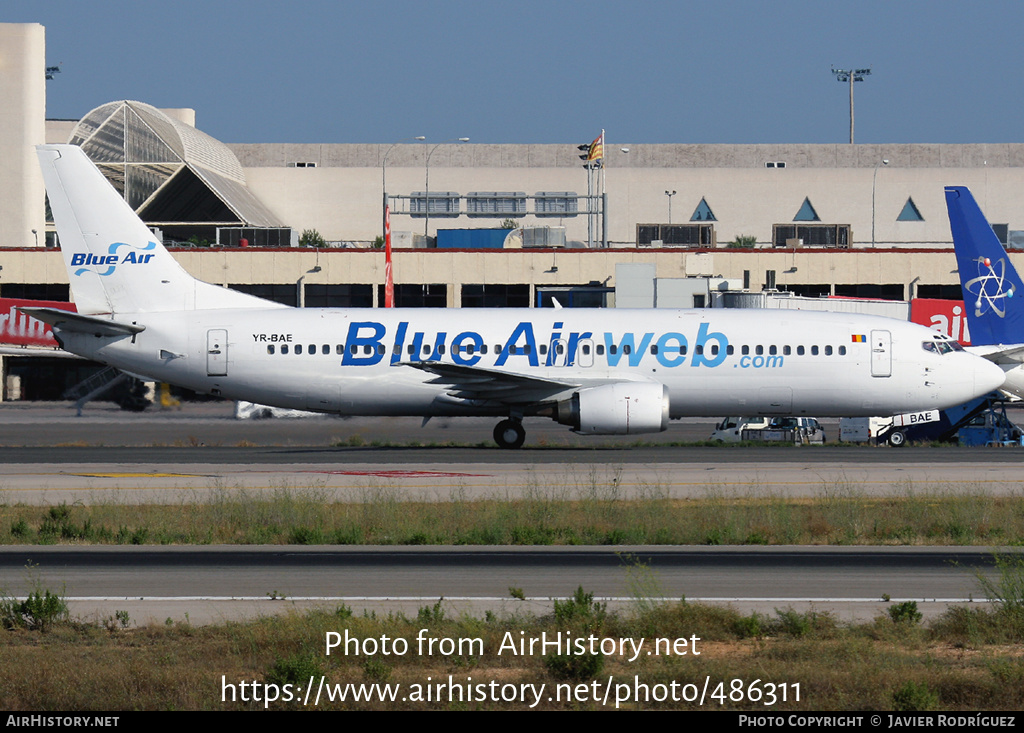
[366, 345]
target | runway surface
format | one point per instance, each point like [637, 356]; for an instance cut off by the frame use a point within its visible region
[49, 456]
[211, 583]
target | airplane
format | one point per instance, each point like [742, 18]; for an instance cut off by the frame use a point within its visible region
[599, 371]
[991, 288]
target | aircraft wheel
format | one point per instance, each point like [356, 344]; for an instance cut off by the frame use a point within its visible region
[509, 434]
[897, 439]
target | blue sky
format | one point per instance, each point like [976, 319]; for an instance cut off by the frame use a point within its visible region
[732, 71]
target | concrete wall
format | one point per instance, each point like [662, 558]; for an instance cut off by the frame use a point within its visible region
[848, 185]
[22, 115]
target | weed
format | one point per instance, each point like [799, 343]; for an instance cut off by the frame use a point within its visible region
[431, 614]
[914, 697]
[1007, 588]
[577, 667]
[580, 607]
[517, 593]
[643, 584]
[376, 670]
[905, 613]
[39, 611]
[293, 670]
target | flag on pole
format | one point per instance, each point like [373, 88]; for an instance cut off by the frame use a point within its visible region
[596, 148]
[389, 284]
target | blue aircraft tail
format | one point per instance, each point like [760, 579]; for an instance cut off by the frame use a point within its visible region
[991, 286]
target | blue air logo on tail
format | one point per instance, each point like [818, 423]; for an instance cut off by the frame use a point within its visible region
[991, 287]
[987, 277]
[112, 260]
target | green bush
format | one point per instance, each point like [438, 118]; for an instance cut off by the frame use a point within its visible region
[914, 697]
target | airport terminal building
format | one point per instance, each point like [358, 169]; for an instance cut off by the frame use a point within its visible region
[485, 225]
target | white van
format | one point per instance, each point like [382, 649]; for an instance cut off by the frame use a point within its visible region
[730, 430]
[771, 429]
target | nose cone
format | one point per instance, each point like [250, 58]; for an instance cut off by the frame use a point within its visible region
[988, 377]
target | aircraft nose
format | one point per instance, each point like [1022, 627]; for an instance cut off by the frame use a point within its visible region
[988, 377]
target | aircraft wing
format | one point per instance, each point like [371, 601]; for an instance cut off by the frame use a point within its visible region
[36, 351]
[476, 383]
[76, 322]
[1001, 353]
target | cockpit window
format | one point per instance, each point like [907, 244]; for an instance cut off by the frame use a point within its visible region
[942, 346]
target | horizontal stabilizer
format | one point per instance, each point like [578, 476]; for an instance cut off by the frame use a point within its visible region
[78, 323]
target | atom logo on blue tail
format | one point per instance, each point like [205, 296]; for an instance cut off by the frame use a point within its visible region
[991, 287]
[112, 260]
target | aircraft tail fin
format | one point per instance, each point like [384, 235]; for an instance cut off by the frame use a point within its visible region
[115, 265]
[990, 283]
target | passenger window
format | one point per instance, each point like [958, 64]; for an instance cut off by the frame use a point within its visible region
[759, 350]
[627, 349]
[354, 349]
[426, 349]
[469, 348]
[842, 351]
[786, 351]
[440, 348]
[600, 349]
[325, 349]
[772, 350]
[411, 350]
[543, 348]
[339, 349]
[613, 349]
[814, 351]
[828, 351]
[298, 348]
[745, 350]
[381, 349]
[483, 348]
[730, 350]
[799, 350]
[654, 348]
[270, 348]
[560, 349]
[586, 348]
[714, 349]
[367, 349]
[284, 348]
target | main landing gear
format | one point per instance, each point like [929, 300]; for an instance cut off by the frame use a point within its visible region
[510, 433]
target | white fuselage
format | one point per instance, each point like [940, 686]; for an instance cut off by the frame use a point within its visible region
[712, 362]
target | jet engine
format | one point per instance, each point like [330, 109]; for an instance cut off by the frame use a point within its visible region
[622, 408]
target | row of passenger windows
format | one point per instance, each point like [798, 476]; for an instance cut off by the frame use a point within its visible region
[560, 348]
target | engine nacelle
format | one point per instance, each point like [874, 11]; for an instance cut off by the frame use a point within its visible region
[623, 408]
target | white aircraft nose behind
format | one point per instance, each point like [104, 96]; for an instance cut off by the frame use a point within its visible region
[988, 377]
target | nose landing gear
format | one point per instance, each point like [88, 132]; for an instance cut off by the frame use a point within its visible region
[510, 433]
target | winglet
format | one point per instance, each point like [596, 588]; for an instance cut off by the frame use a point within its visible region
[993, 295]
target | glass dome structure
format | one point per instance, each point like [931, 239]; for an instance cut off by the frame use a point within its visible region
[172, 174]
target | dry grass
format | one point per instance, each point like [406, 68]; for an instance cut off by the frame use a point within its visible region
[592, 512]
[876, 666]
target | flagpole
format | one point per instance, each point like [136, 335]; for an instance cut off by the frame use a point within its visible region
[604, 198]
[389, 285]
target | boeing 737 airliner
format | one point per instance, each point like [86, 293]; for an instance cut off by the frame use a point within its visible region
[993, 300]
[603, 371]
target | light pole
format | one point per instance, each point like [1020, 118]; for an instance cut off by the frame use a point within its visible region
[670, 194]
[384, 180]
[426, 223]
[874, 179]
[850, 75]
